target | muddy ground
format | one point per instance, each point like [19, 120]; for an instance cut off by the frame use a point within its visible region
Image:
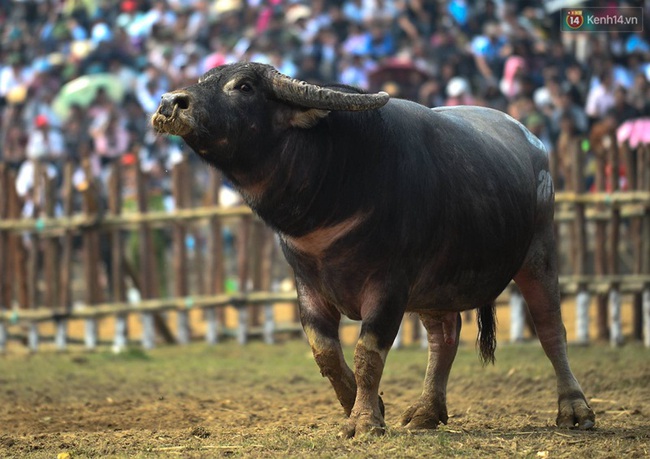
[270, 401]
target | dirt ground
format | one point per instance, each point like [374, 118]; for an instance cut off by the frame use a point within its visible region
[270, 401]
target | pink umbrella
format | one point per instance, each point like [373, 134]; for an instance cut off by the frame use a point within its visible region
[635, 132]
[213, 60]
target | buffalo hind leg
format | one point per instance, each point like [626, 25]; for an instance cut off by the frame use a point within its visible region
[538, 282]
[431, 408]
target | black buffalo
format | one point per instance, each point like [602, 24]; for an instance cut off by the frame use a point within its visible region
[383, 207]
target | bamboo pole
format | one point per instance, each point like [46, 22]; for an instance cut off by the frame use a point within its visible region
[65, 268]
[215, 262]
[636, 182]
[517, 315]
[567, 283]
[600, 260]
[91, 243]
[5, 282]
[51, 254]
[156, 323]
[266, 281]
[631, 204]
[615, 330]
[644, 154]
[118, 286]
[243, 237]
[179, 184]
[17, 249]
[134, 220]
[33, 255]
[145, 248]
[580, 249]
[256, 256]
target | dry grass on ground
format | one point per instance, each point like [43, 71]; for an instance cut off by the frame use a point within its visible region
[270, 401]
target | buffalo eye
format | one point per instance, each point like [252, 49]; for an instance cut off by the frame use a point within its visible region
[244, 87]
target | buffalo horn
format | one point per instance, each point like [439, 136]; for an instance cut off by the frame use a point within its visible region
[308, 95]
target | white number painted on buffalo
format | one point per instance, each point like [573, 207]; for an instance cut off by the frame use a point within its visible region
[544, 186]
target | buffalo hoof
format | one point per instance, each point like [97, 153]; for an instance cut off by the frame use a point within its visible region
[364, 424]
[574, 412]
[424, 416]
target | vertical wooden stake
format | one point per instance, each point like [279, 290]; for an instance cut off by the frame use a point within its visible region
[32, 337]
[33, 256]
[212, 326]
[5, 293]
[148, 331]
[616, 335]
[646, 317]
[65, 264]
[615, 331]
[583, 301]
[61, 334]
[91, 208]
[118, 286]
[242, 328]
[3, 337]
[398, 342]
[600, 250]
[269, 324]
[243, 269]
[215, 261]
[580, 267]
[179, 185]
[517, 316]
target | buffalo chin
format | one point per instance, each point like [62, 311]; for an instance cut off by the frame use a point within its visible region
[174, 125]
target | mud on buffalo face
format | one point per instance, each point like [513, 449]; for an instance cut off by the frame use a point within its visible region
[235, 109]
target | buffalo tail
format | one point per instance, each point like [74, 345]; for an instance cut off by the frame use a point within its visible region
[487, 332]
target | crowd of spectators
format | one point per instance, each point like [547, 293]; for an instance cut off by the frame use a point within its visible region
[505, 54]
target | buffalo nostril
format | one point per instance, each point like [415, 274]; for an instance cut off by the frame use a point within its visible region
[170, 102]
[183, 101]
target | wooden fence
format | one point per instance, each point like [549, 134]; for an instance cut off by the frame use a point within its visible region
[87, 250]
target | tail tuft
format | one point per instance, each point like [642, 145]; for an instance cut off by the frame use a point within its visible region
[487, 333]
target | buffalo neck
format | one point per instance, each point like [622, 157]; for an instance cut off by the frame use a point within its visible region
[314, 177]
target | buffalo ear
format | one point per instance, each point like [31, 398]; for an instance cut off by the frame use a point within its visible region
[307, 118]
[302, 118]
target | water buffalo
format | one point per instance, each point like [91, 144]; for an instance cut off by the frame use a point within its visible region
[383, 207]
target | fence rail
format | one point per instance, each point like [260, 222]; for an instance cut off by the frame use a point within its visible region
[96, 250]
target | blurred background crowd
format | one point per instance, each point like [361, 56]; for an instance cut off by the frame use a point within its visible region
[57, 103]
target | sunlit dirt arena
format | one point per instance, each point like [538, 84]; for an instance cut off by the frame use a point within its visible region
[270, 401]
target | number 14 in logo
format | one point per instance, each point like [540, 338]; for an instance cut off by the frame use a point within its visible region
[574, 19]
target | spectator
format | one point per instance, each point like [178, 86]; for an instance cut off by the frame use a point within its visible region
[510, 85]
[567, 109]
[14, 146]
[15, 76]
[44, 142]
[621, 110]
[458, 92]
[76, 132]
[575, 84]
[601, 97]
[109, 136]
[639, 94]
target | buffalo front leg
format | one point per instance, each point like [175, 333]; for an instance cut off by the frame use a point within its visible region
[376, 337]
[321, 325]
[443, 334]
[539, 284]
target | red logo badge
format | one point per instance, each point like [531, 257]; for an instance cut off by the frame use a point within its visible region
[574, 19]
